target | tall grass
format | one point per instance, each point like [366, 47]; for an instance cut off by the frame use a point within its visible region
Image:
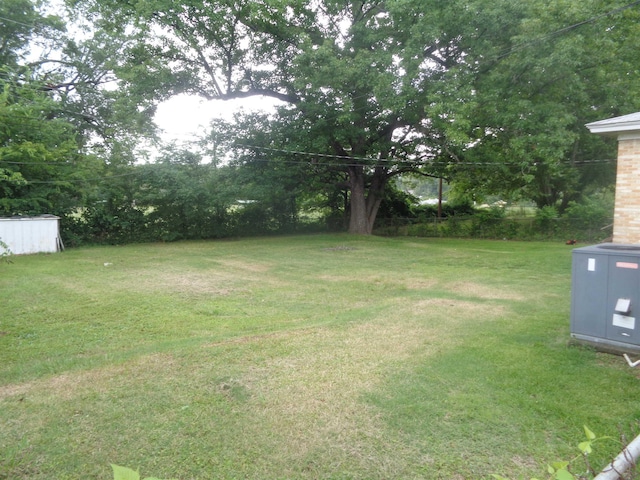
[330, 357]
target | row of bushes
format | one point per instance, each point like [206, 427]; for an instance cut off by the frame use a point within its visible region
[584, 223]
[109, 225]
[204, 217]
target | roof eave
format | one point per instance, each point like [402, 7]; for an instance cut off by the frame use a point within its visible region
[617, 125]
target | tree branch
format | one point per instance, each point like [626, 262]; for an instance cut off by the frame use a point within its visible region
[378, 7]
[254, 92]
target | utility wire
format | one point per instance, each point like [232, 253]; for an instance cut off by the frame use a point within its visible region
[42, 164]
[378, 161]
[563, 30]
[17, 22]
[310, 154]
[401, 164]
[80, 180]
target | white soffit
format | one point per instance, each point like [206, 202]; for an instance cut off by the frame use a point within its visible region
[617, 125]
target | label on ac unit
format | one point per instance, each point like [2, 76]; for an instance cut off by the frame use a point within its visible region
[623, 321]
[622, 305]
[631, 265]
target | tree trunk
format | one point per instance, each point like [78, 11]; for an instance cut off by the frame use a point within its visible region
[365, 204]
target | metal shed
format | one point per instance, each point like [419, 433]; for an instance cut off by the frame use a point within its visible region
[24, 235]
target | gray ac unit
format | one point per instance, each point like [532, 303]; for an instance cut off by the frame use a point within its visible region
[605, 296]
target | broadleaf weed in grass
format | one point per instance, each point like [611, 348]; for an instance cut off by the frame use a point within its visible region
[562, 469]
[125, 473]
[5, 252]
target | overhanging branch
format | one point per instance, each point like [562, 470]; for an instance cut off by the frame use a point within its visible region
[285, 97]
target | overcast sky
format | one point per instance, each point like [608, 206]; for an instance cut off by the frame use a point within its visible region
[185, 116]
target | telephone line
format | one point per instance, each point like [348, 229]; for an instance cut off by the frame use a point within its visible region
[17, 22]
[79, 180]
[320, 164]
[409, 163]
[416, 162]
[563, 30]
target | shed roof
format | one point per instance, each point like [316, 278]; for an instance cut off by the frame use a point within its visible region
[45, 216]
[616, 125]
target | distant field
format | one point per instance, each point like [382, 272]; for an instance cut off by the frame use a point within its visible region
[319, 357]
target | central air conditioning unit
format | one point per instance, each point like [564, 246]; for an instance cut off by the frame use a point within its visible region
[605, 300]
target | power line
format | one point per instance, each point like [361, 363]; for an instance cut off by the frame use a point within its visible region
[567, 29]
[400, 164]
[17, 22]
[42, 164]
[80, 180]
[310, 154]
[390, 161]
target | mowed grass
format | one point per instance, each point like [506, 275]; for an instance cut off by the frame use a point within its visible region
[317, 357]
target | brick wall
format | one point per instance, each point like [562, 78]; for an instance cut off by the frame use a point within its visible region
[626, 218]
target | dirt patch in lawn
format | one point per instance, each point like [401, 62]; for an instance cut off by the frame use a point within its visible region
[479, 290]
[452, 309]
[421, 284]
[70, 385]
[191, 283]
[242, 266]
[312, 397]
[214, 282]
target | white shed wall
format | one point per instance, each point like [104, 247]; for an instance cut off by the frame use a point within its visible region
[30, 235]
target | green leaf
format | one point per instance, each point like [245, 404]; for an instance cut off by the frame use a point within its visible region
[585, 447]
[590, 435]
[563, 474]
[124, 473]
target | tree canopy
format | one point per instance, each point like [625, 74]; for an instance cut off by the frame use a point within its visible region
[38, 147]
[382, 88]
[61, 118]
[489, 95]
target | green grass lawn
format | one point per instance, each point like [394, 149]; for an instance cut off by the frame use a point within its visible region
[319, 357]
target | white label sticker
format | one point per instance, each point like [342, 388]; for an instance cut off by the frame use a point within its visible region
[624, 321]
[591, 265]
[622, 305]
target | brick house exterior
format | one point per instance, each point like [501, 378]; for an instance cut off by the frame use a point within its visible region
[626, 218]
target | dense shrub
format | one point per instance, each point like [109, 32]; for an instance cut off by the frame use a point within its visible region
[104, 223]
[485, 221]
[592, 217]
[545, 223]
[448, 210]
[397, 204]
[583, 222]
